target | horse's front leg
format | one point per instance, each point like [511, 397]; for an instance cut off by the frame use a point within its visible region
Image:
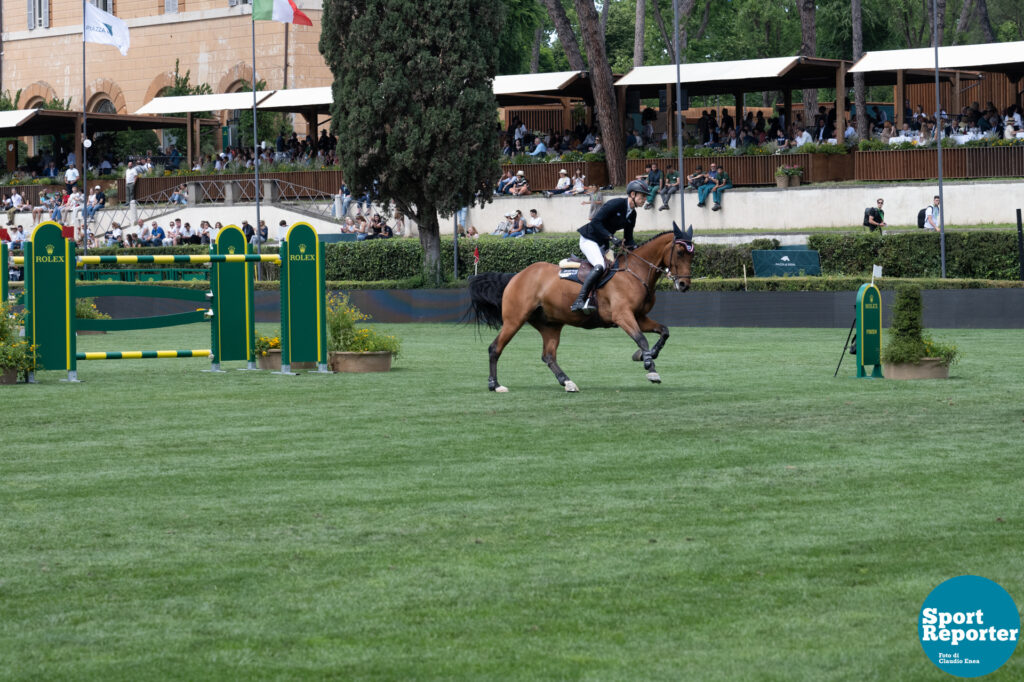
[628, 324]
[647, 325]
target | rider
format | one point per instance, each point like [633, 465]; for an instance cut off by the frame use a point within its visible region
[615, 215]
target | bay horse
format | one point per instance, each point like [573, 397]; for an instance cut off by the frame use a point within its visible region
[539, 296]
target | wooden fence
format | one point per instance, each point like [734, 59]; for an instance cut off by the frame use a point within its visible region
[923, 164]
[542, 176]
[326, 182]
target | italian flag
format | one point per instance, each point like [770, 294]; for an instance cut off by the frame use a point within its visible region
[285, 11]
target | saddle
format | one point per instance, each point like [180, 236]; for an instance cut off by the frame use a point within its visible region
[576, 269]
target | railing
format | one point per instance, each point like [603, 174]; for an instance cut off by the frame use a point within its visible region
[743, 170]
[327, 181]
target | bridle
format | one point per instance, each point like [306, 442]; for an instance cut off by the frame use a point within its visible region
[666, 271]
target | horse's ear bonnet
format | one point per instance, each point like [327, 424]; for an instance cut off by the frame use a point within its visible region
[684, 238]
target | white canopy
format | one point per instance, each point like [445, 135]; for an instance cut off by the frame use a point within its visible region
[745, 69]
[533, 82]
[297, 98]
[14, 118]
[972, 57]
[193, 103]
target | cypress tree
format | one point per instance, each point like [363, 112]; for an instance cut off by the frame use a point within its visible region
[413, 105]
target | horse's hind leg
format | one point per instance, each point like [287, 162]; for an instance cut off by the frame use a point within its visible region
[551, 335]
[508, 330]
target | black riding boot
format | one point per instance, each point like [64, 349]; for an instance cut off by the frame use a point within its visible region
[589, 284]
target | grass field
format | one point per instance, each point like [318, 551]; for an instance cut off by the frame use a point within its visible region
[751, 518]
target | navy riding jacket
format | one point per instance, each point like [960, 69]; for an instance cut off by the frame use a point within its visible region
[612, 217]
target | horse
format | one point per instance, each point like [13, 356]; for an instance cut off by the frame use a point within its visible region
[539, 296]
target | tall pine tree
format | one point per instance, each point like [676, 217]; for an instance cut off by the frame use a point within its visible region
[413, 103]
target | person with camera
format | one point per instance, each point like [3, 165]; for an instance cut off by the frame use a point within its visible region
[596, 235]
[874, 217]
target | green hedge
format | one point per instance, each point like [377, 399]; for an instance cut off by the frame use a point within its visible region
[977, 254]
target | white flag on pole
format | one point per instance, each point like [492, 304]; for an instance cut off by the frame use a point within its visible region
[103, 27]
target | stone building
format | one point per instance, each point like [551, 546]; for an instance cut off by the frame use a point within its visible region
[42, 51]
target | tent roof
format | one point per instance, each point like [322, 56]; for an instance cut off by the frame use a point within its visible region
[24, 122]
[747, 75]
[193, 103]
[298, 98]
[1007, 58]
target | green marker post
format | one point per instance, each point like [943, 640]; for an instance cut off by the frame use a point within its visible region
[869, 331]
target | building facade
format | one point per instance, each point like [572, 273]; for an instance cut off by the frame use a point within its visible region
[211, 39]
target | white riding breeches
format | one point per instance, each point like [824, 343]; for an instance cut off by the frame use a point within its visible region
[593, 252]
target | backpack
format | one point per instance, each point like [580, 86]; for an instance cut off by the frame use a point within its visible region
[868, 213]
[922, 216]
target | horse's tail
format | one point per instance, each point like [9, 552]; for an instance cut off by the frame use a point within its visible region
[485, 293]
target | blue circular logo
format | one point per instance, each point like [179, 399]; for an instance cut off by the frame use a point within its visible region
[969, 626]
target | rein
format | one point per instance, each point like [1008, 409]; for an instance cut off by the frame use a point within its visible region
[666, 271]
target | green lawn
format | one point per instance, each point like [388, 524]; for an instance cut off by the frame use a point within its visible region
[751, 518]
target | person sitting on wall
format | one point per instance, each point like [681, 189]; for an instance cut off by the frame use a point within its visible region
[721, 182]
[697, 178]
[521, 187]
[564, 184]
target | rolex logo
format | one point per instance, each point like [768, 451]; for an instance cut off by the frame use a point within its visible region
[302, 248]
[49, 249]
[231, 249]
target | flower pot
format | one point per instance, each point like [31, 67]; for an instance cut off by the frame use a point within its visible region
[272, 361]
[794, 180]
[374, 361]
[8, 375]
[781, 181]
[928, 368]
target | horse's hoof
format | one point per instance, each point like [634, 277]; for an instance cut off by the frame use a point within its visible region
[571, 387]
[654, 377]
[501, 389]
[638, 355]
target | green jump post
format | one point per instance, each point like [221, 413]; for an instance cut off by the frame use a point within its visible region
[50, 299]
[303, 299]
[869, 331]
[233, 328]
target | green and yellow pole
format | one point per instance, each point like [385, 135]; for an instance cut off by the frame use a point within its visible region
[286, 329]
[3, 276]
[869, 331]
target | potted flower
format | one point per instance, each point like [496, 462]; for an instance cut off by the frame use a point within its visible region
[85, 309]
[353, 347]
[788, 176]
[268, 352]
[909, 353]
[17, 357]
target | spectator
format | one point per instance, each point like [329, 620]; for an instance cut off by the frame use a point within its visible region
[507, 225]
[18, 237]
[75, 207]
[539, 148]
[506, 183]
[112, 237]
[534, 224]
[471, 232]
[70, 178]
[579, 182]
[564, 184]
[379, 229]
[697, 178]
[521, 187]
[669, 186]
[363, 202]
[263, 234]
[874, 217]
[655, 180]
[173, 236]
[598, 148]
[105, 167]
[51, 170]
[13, 204]
[97, 202]
[180, 196]
[349, 226]
[248, 231]
[931, 220]
[188, 236]
[362, 228]
[131, 174]
[157, 235]
[346, 195]
[518, 226]
[803, 138]
[720, 181]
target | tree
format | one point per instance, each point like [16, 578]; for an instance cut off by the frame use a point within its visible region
[566, 36]
[859, 93]
[415, 116]
[604, 91]
[808, 48]
[518, 31]
[638, 32]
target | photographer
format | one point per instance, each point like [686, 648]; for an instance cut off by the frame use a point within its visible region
[874, 217]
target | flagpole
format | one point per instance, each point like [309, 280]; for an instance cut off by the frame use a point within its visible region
[85, 138]
[255, 133]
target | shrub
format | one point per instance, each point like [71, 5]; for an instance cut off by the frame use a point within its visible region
[344, 333]
[907, 342]
[15, 352]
